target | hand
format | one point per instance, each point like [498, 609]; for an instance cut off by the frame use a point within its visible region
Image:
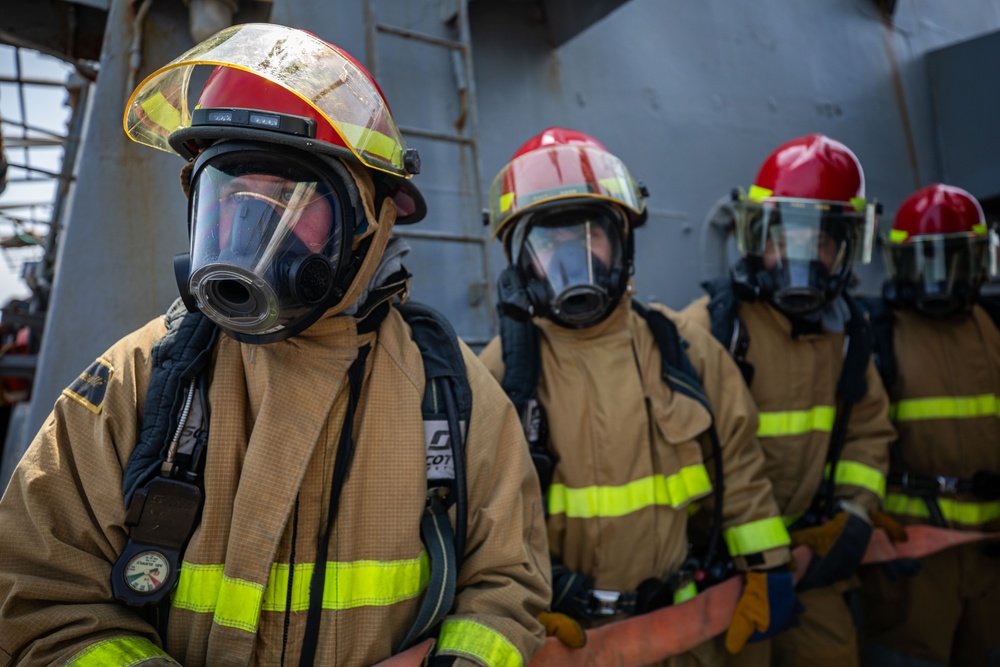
[563, 628]
[767, 606]
[892, 528]
[570, 592]
[838, 547]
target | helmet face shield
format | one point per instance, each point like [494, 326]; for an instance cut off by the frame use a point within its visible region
[267, 239]
[940, 273]
[575, 259]
[324, 77]
[803, 250]
[561, 172]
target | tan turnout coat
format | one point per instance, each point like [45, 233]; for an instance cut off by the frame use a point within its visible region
[277, 412]
[795, 384]
[614, 424]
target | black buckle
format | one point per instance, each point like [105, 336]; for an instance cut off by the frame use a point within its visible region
[947, 484]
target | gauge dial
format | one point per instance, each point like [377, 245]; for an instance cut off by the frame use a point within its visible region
[147, 571]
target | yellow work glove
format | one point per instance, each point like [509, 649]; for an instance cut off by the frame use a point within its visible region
[838, 547]
[892, 528]
[767, 606]
[564, 628]
[822, 537]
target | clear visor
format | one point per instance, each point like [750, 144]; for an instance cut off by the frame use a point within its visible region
[265, 241]
[305, 65]
[785, 232]
[941, 262]
[569, 250]
[561, 172]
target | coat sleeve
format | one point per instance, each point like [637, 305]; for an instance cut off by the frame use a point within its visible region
[864, 462]
[751, 523]
[504, 581]
[63, 517]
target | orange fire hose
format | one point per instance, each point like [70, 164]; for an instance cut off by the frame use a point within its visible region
[650, 638]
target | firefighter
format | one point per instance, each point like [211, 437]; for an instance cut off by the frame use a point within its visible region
[802, 345]
[315, 472]
[939, 352]
[629, 412]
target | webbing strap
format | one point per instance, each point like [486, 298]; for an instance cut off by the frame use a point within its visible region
[447, 394]
[851, 388]
[345, 447]
[178, 356]
[435, 530]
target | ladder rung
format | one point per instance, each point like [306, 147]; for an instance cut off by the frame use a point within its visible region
[429, 134]
[420, 36]
[439, 236]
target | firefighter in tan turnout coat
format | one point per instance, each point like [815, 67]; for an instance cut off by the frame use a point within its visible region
[305, 553]
[939, 352]
[625, 452]
[804, 350]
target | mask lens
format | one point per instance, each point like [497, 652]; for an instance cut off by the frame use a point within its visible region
[945, 272]
[577, 255]
[806, 247]
[260, 225]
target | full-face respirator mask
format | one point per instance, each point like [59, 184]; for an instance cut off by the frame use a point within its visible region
[271, 232]
[568, 264]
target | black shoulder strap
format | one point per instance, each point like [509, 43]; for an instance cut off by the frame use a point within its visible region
[881, 320]
[178, 357]
[680, 375]
[676, 370]
[852, 385]
[520, 342]
[851, 388]
[446, 411]
[723, 309]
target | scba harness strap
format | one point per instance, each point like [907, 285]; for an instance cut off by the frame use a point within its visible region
[520, 344]
[162, 481]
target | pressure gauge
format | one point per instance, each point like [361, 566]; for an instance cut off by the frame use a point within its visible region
[147, 571]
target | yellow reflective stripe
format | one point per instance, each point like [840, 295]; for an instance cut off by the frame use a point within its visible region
[858, 203]
[756, 536]
[159, 110]
[898, 235]
[979, 229]
[789, 519]
[371, 141]
[966, 513]
[467, 637]
[685, 592]
[237, 603]
[946, 407]
[610, 501]
[758, 194]
[859, 474]
[616, 185]
[796, 422]
[118, 652]
[506, 199]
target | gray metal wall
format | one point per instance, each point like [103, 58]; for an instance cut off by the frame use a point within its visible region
[692, 95]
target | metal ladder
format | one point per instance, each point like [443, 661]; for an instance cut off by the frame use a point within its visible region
[467, 136]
